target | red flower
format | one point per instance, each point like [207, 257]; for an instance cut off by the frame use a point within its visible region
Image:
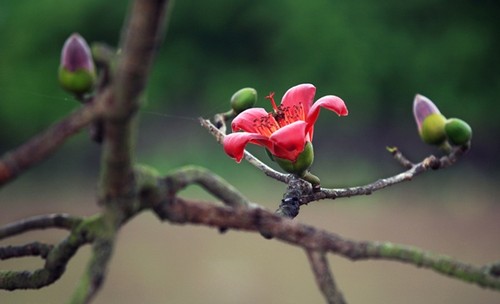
[286, 130]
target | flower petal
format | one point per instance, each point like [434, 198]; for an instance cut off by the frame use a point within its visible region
[234, 143]
[423, 107]
[76, 54]
[289, 141]
[299, 94]
[330, 102]
[245, 121]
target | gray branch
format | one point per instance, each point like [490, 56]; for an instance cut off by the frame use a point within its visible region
[63, 221]
[324, 277]
[311, 238]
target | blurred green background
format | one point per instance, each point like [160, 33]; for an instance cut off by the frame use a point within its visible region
[376, 56]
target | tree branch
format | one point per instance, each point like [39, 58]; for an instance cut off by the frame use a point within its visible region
[141, 36]
[219, 136]
[83, 231]
[55, 265]
[63, 221]
[324, 277]
[300, 193]
[430, 162]
[31, 249]
[310, 238]
[15, 162]
[211, 182]
[93, 278]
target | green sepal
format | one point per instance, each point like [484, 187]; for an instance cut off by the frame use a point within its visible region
[78, 82]
[301, 164]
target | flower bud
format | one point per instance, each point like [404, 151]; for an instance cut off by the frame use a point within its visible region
[430, 122]
[458, 131]
[432, 131]
[423, 107]
[77, 70]
[243, 99]
[301, 164]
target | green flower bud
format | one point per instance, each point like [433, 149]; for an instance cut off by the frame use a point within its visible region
[301, 164]
[458, 131]
[243, 99]
[77, 70]
[432, 131]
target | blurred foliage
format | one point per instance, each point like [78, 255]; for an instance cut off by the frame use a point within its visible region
[374, 55]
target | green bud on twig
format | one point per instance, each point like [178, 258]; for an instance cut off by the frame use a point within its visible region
[243, 99]
[432, 131]
[430, 122]
[458, 131]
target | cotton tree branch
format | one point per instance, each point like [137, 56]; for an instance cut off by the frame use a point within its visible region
[63, 221]
[17, 161]
[211, 182]
[300, 193]
[55, 264]
[93, 229]
[141, 37]
[93, 278]
[311, 238]
[324, 277]
[31, 249]
[430, 162]
[219, 136]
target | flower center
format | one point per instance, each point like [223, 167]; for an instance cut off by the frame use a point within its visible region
[280, 117]
[286, 115]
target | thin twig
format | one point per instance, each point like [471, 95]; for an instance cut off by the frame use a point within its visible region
[17, 161]
[93, 278]
[63, 221]
[219, 136]
[324, 277]
[55, 265]
[211, 182]
[430, 162]
[31, 249]
[288, 206]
